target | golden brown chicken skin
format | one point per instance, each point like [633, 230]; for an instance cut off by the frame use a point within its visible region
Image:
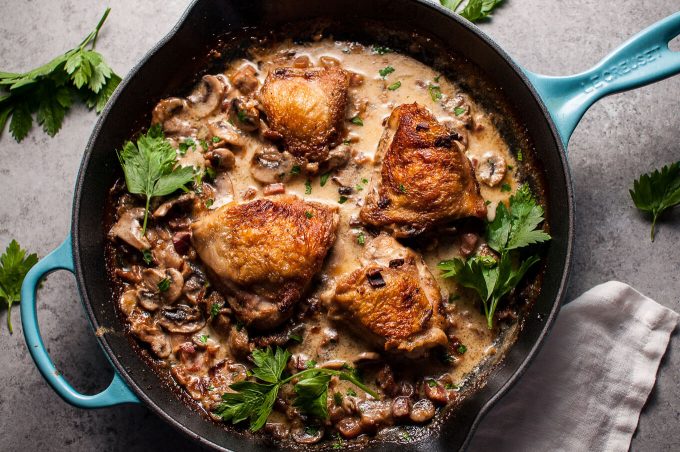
[421, 177]
[393, 297]
[264, 253]
[306, 108]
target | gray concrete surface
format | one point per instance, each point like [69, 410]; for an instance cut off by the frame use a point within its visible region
[618, 139]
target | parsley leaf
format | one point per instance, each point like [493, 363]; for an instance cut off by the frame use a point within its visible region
[324, 178]
[394, 86]
[384, 72]
[14, 264]
[435, 92]
[474, 10]
[49, 90]
[657, 192]
[149, 167]
[512, 229]
[519, 227]
[254, 401]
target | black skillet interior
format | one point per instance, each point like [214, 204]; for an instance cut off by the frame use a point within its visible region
[173, 65]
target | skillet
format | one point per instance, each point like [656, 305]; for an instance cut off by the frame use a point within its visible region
[551, 108]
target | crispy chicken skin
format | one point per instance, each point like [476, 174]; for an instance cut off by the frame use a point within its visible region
[306, 107]
[421, 177]
[393, 297]
[264, 253]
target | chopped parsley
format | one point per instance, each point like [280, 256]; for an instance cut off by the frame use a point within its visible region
[324, 178]
[148, 258]
[308, 187]
[402, 188]
[185, 145]
[342, 200]
[357, 121]
[459, 111]
[295, 170]
[214, 310]
[311, 364]
[295, 337]
[394, 86]
[461, 349]
[384, 72]
[435, 93]
[505, 187]
[216, 139]
[203, 338]
[431, 383]
[382, 50]
[351, 392]
[209, 202]
[519, 155]
[337, 398]
[361, 239]
[308, 214]
[163, 284]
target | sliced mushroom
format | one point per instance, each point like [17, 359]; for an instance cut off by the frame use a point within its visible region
[269, 165]
[207, 96]
[181, 319]
[173, 116]
[165, 208]
[227, 134]
[222, 158]
[338, 156]
[128, 301]
[129, 229]
[224, 190]
[423, 410]
[244, 114]
[307, 435]
[491, 169]
[152, 278]
[166, 256]
[141, 325]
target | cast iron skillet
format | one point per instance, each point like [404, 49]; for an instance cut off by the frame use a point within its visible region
[551, 108]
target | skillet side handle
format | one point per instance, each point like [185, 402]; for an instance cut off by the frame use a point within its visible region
[643, 59]
[116, 393]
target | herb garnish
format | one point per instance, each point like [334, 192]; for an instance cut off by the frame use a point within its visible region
[216, 139]
[381, 50]
[149, 167]
[459, 111]
[14, 264]
[214, 310]
[461, 349]
[435, 92]
[657, 192]
[163, 285]
[147, 256]
[402, 188]
[324, 178]
[253, 401]
[308, 214]
[384, 72]
[357, 121]
[492, 279]
[49, 90]
[295, 170]
[505, 187]
[342, 200]
[474, 10]
[308, 187]
[394, 86]
[185, 145]
[361, 239]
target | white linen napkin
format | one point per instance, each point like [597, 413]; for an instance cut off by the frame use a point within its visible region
[587, 385]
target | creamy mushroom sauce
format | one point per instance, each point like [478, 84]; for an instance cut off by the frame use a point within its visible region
[370, 99]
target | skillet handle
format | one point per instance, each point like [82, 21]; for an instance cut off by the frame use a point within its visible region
[645, 58]
[116, 393]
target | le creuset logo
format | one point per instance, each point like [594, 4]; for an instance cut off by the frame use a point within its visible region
[628, 65]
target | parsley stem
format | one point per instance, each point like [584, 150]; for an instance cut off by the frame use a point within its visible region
[653, 224]
[343, 376]
[93, 36]
[9, 316]
[146, 214]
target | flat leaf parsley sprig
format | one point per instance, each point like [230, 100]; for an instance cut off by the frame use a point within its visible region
[49, 90]
[254, 401]
[149, 167]
[474, 10]
[657, 192]
[512, 229]
[14, 264]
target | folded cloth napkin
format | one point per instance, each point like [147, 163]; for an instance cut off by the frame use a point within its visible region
[586, 387]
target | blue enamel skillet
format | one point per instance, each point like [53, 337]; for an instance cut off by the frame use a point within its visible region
[551, 108]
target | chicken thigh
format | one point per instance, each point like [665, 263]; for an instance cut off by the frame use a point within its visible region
[421, 177]
[263, 254]
[393, 297]
[306, 108]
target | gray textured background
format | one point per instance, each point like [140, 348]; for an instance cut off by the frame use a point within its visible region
[619, 138]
